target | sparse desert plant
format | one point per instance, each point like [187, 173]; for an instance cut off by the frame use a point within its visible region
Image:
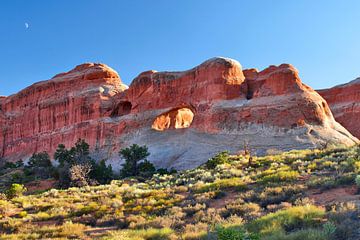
[189, 204]
[280, 176]
[229, 183]
[288, 219]
[15, 190]
[231, 233]
[79, 175]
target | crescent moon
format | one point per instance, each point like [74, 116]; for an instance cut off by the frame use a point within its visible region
[26, 25]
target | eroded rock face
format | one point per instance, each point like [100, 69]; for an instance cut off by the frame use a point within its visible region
[59, 110]
[344, 101]
[183, 117]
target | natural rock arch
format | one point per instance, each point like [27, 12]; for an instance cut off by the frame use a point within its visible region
[176, 118]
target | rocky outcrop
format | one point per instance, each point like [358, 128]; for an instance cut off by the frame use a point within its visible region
[59, 110]
[344, 101]
[183, 117]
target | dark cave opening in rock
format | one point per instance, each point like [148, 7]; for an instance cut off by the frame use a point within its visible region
[123, 108]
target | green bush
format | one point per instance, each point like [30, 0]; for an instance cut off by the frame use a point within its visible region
[15, 190]
[304, 234]
[232, 233]
[101, 172]
[146, 169]
[288, 219]
[39, 166]
[227, 183]
[280, 176]
[218, 159]
[143, 234]
[77, 168]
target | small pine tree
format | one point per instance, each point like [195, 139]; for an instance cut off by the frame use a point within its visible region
[39, 166]
[40, 160]
[63, 155]
[101, 172]
[77, 168]
[75, 155]
[146, 169]
[75, 164]
[133, 156]
[81, 151]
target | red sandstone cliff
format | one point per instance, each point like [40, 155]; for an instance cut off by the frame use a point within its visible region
[344, 101]
[183, 117]
[47, 113]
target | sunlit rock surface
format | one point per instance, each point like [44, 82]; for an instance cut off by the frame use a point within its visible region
[183, 117]
[344, 101]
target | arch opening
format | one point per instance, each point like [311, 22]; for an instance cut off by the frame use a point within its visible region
[176, 118]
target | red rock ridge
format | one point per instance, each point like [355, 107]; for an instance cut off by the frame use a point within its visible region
[59, 110]
[183, 117]
[344, 101]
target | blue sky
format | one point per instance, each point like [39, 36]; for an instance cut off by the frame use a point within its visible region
[320, 38]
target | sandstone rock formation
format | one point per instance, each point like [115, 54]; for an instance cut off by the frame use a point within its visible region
[183, 117]
[62, 109]
[344, 101]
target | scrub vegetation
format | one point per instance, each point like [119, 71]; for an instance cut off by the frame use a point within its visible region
[281, 196]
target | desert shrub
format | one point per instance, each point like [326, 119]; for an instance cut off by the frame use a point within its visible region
[345, 217]
[11, 165]
[190, 210]
[280, 176]
[303, 234]
[165, 171]
[227, 183]
[288, 219]
[15, 190]
[323, 182]
[357, 152]
[18, 177]
[245, 210]
[218, 159]
[79, 175]
[6, 207]
[195, 231]
[231, 233]
[22, 214]
[72, 230]
[143, 234]
[276, 195]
